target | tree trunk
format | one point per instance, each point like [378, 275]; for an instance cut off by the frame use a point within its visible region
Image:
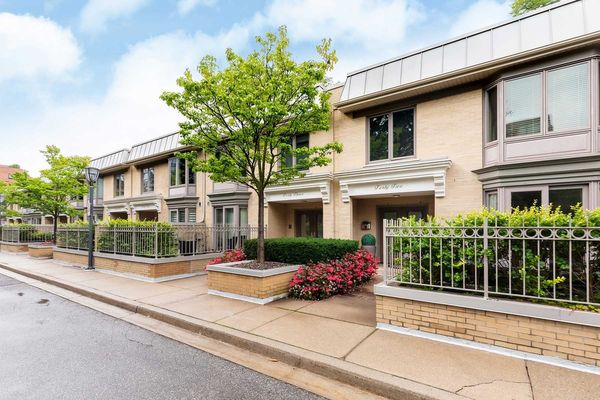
[54, 227]
[260, 248]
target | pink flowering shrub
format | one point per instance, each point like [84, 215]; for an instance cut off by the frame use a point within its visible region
[325, 279]
[229, 256]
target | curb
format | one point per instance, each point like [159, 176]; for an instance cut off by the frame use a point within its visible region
[376, 382]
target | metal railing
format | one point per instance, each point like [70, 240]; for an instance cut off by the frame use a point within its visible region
[549, 263]
[160, 240]
[75, 238]
[25, 233]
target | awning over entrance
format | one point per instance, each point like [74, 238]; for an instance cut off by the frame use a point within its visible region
[418, 176]
[314, 187]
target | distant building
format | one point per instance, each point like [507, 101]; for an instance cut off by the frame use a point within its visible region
[6, 172]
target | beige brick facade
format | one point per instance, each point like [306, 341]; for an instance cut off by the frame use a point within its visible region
[446, 126]
[250, 286]
[538, 336]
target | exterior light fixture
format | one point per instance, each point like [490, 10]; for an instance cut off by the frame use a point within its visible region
[91, 176]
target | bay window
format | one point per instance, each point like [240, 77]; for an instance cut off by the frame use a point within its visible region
[550, 101]
[391, 135]
[523, 106]
[182, 215]
[564, 197]
[180, 173]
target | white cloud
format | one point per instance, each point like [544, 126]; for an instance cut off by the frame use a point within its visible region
[96, 13]
[185, 6]
[32, 47]
[363, 31]
[479, 15]
[130, 111]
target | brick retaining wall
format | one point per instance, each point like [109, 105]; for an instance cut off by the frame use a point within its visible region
[146, 268]
[251, 286]
[569, 341]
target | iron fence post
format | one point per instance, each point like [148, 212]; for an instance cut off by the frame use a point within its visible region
[385, 253]
[156, 241]
[485, 259]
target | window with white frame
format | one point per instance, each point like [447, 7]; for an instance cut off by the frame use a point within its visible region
[550, 101]
[147, 179]
[564, 197]
[392, 135]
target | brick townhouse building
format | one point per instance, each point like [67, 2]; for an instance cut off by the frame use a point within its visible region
[502, 117]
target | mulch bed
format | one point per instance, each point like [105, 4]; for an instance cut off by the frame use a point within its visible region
[257, 265]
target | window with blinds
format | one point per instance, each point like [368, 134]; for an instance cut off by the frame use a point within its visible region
[523, 106]
[567, 98]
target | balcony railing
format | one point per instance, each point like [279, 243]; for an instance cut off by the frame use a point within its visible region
[539, 263]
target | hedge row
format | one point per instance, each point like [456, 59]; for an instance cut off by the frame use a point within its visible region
[301, 250]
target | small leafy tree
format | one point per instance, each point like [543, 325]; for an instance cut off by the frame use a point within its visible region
[245, 116]
[52, 192]
[520, 7]
[5, 210]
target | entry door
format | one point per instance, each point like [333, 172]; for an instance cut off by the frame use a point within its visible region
[309, 223]
[395, 213]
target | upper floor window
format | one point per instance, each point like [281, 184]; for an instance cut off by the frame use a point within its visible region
[392, 135]
[100, 188]
[555, 100]
[180, 173]
[147, 179]
[491, 115]
[297, 142]
[119, 185]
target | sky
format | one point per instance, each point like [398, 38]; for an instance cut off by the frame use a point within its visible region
[86, 75]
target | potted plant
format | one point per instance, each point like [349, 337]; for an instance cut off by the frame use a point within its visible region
[368, 243]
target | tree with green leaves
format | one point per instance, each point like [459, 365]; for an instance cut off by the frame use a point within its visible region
[520, 7]
[52, 192]
[245, 116]
[5, 209]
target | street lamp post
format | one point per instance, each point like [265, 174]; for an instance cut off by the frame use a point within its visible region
[91, 176]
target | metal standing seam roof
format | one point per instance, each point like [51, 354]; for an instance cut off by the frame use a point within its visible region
[109, 160]
[558, 22]
[163, 144]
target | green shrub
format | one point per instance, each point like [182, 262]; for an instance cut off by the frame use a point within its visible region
[138, 238]
[73, 235]
[450, 253]
[301, 250]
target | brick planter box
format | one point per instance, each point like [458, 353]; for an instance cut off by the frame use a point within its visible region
[10, 247]
[542, 330]
[40, 251]
[140, 268]
[255, 286]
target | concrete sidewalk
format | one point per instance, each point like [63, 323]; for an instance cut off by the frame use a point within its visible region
[335, 337]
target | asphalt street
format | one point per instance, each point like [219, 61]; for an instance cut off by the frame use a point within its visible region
[52, 348]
